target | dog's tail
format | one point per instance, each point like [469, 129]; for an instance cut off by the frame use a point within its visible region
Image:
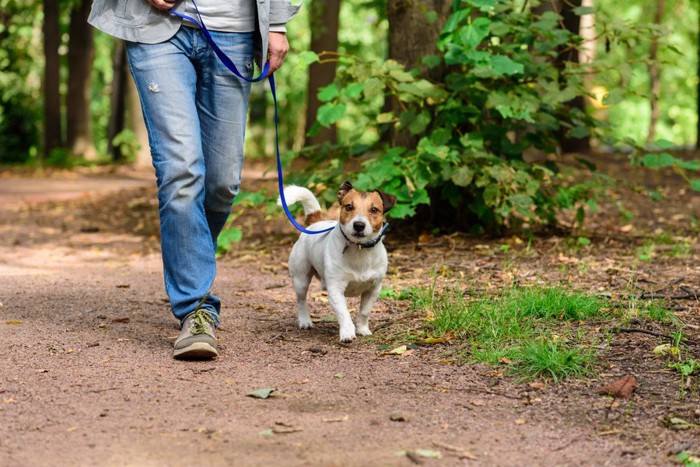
[294, 194]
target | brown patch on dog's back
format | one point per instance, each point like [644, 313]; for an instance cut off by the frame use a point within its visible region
[314, 217]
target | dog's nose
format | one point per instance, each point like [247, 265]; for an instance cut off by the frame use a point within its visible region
[358, 226]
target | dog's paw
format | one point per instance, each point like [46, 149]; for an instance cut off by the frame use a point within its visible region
[363, 331]
[347, 338]
[305, 323]
[347, 335]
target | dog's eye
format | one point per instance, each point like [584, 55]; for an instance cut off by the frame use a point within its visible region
[349, 207]
[374, 210]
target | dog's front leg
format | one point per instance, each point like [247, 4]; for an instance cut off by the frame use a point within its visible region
[336, 297]
[366, 303]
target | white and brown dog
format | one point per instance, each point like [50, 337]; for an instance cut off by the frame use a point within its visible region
[350, 260]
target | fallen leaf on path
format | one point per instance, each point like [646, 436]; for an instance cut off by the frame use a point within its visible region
[666, 349]
[344, 418]
[506, 360]
[537, 386]
[416, 455]
[261, 393]
[121, 320]
[398, 350]
[123, 286]
[623, 387]
[460, 451]
[14, 322]
[10, 400]
[283, 430]
[72, 429]
[626, 228]
[676, 423]
[267, 432]
[433, 340]
[399, 416]
[520, 421]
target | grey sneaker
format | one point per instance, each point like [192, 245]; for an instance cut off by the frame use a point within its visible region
[196, 340]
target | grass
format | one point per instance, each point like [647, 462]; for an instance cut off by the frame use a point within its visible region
[523, 327]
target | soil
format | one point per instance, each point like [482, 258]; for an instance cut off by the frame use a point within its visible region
[88, 379]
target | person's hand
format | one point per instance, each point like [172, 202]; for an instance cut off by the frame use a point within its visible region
[277, 48]
[162, 4]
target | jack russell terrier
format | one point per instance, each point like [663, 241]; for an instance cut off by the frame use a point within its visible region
[350, 260]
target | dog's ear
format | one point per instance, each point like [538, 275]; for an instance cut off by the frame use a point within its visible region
[344, 190]
[387, 200]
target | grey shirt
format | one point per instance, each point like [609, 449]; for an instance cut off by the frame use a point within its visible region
[225, 16]
[138, 21]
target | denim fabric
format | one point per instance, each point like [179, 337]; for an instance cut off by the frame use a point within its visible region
[195, 112]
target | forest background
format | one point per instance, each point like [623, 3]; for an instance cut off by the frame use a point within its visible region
[477, 102]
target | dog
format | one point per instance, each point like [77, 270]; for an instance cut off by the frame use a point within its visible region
[350, 260]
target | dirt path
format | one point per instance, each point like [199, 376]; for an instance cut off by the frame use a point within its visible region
[87, 376]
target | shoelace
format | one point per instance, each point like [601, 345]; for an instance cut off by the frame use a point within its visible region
[200, 318]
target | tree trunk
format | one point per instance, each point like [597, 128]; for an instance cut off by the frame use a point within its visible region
[572, 22]
[411, 37]
[80, 56]
[655, 73]
[118, 101]
[52, 96]
[697, 112]
[324, 20]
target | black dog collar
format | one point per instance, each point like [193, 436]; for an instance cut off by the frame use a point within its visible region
[370, 244]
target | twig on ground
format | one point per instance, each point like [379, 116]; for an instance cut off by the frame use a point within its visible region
[654, 333]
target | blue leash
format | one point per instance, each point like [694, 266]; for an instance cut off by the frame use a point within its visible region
[266, 68]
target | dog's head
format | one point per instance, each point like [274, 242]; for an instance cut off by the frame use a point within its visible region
[362, 212]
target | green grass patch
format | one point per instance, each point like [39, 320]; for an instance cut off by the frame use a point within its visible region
[530, 328]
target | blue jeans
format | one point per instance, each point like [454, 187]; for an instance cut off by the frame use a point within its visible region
[195, 113]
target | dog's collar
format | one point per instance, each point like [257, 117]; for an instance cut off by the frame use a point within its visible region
[370, 244]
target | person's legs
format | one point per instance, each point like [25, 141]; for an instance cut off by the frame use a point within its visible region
[222, 104]
[166, 77]
[195, 112]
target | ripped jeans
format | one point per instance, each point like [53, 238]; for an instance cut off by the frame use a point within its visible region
[195, 113]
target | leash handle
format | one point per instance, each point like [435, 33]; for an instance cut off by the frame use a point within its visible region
[266, 68]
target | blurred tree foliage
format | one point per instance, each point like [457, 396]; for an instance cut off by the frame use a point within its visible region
[483, 119]
[20, 80]
[488, 129]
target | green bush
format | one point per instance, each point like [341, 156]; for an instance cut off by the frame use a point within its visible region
[486, 134]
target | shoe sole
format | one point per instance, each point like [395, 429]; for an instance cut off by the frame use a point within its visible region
[196, 351]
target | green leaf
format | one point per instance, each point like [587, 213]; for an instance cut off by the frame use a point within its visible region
[420, 123]
[472, 35]
[227, 238]
[658, 161]
[329, 113]
[385, 117]
[503, 65]
[353, 90]
[483, 5]
[328, 93]
[373, 87]
[584, 10]
[463, 176]
[431, 61]
[261, 393]
[695, 184]
[307, 57]
[401, 76]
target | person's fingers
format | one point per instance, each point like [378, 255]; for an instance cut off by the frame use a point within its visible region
[278, 46]
[162, 4]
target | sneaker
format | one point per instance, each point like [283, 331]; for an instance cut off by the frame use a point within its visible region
[196, 340]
